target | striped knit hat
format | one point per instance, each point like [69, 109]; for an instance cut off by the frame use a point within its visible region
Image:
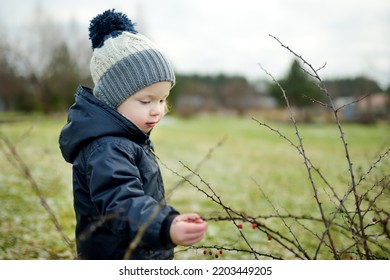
[123, 60]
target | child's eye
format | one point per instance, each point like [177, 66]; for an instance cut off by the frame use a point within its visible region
[163, 100]
[145, 101]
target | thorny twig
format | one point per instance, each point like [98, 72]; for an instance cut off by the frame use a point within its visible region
[301, 249]
[346, 150]
[307, 165]
[9, 149]
[357, 228]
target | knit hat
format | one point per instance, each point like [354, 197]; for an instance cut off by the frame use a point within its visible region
[123, 61]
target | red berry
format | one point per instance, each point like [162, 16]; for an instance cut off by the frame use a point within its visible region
[210, 253]
[269, 237]
[350, 257]
[239, 226]
[216, 256]
[204, 252]
[374, 220]
[254, 225]
[220, 252]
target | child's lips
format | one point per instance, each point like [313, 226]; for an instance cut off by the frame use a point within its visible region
[151, 124]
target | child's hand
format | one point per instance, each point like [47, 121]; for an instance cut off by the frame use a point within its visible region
[187, 229]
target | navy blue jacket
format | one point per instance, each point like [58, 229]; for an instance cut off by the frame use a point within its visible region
[117, 185]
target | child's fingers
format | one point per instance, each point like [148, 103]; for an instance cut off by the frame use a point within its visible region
[189, 218]
[191, 238]
[188, 229]
[192, 226]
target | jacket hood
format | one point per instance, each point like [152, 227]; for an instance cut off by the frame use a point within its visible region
[89, 119]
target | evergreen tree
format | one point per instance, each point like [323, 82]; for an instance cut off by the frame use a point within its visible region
[299, 87]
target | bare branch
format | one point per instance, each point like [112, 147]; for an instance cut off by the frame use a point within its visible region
[9, 149]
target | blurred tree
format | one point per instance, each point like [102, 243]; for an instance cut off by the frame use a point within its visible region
[299, 87]
[59, 81]
[355, 87]
[237, 94]
[195, 93]
[44, 79]
[7, 80]
[175, 92]
[14, 90]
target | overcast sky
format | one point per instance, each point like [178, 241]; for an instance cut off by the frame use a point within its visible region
[232, 37]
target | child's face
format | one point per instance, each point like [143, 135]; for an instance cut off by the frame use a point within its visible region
[147, 106]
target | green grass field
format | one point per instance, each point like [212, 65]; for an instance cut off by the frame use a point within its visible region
[253, 171]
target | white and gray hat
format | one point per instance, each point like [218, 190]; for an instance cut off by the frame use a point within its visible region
[123, 61]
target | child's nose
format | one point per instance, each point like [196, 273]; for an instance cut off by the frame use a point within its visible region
[156, 110]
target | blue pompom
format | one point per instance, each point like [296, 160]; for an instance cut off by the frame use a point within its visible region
[109, 22]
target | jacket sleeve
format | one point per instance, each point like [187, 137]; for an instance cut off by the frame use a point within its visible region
[116, 191]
